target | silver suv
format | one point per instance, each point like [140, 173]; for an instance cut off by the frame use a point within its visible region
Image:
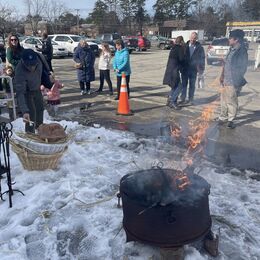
[217, 50]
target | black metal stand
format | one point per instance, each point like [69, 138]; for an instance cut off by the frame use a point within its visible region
[5, 134]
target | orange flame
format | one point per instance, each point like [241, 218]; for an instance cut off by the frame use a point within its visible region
[175, 130]
[198, 128]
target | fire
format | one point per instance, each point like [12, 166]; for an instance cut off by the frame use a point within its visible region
[182, 181]
[175, 130]
[198, 130]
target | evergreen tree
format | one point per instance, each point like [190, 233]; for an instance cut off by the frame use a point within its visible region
[99, 13]
[172, 9]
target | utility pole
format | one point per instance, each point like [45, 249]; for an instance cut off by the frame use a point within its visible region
[77, 10]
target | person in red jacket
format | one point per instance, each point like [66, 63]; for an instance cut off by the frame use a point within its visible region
[53, 95]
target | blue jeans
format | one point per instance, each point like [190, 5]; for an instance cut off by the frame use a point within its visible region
[188, 76]
[175, 91]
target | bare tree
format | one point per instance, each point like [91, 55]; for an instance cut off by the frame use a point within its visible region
[53, 11]
[35, 9]
[7, 19]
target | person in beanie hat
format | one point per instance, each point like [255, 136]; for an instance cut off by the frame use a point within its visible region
[27, 82]
[232, 77]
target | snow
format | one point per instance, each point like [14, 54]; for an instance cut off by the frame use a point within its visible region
[71, 213]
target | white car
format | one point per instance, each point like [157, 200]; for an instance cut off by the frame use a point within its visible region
[71, 42]
[32, 42]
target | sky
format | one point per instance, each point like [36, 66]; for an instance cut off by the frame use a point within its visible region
[85, 6]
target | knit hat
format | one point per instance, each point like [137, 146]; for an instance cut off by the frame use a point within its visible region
[237, 34]
[29, 57]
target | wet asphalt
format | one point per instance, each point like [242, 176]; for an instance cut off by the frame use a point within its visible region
[239, 147]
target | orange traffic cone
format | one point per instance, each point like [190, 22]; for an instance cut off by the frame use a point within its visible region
[123, 104]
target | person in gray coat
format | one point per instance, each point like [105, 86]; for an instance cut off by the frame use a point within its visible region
[27, 82]
[232, 77]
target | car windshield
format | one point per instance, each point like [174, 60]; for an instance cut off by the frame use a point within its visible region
[220, 42]
[75, 38]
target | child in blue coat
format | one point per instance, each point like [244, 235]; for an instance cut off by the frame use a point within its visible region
[121, 64]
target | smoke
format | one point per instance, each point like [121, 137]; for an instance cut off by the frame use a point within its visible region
[162, 187]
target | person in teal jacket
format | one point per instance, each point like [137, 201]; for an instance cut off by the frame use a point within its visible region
[121, 64]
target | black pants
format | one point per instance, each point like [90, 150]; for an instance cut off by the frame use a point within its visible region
[105, 75]
[119, 79]
[49, 63]
[84, 85]
[35, 105]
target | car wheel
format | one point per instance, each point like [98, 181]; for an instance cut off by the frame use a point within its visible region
[162, 46]
[130, 51]
[209, 62]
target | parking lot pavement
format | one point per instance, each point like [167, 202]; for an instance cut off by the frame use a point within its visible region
[151, 116]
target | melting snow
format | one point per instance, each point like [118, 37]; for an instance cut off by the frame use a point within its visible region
[71, 213]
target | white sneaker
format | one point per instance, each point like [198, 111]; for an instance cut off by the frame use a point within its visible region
[89, 92]
[83, 92]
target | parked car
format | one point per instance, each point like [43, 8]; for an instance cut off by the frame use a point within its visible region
[160, 42]
[131, 44]
[143, 43]
[2, 51]
[110, 38]
[70, 42]
[217, 50]
[34, 42]
[98, 42]
[257, 39]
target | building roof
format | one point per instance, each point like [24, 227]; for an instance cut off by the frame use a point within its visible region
[253, 23]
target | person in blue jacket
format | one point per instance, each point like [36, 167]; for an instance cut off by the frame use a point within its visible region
[85, 58]
[121, 64]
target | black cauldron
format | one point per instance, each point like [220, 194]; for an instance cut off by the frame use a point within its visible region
[158, 212]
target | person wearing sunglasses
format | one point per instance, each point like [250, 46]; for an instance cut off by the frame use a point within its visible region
[14, 51]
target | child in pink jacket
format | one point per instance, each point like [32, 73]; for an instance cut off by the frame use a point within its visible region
[53, 94]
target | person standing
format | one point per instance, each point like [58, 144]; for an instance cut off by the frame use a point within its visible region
[194, 63]
[13, 51]
[232, 77]
[84, 57]
[121, 64]
[46, 49]
[27, 81]
[104, 68]
[172, 72]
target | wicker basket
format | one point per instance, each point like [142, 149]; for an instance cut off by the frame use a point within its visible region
[38, 146]
[36, 162]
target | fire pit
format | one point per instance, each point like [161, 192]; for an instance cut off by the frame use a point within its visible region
[164, 208]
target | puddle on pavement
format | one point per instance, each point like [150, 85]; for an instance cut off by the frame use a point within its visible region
[231, 154]
[220, 147]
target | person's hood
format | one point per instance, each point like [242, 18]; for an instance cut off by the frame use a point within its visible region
[123, 50]
[29, 68]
